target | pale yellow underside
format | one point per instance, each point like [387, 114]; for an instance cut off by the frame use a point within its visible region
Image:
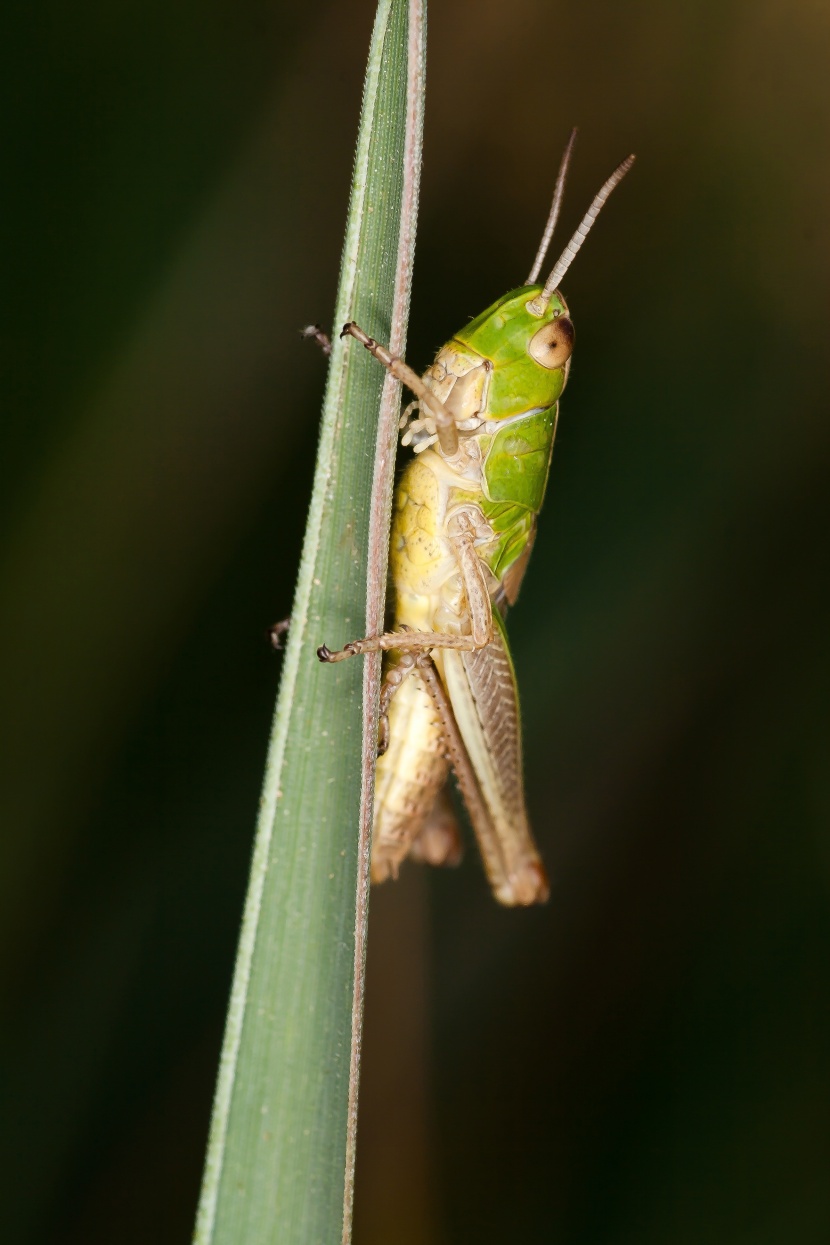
[428, 596]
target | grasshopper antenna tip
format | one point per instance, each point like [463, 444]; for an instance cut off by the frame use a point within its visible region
[537, 305]
[553, 215]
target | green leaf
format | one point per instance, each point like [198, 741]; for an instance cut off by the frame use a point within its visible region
[280, 1160]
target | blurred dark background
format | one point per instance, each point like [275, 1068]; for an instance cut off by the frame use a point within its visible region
[648, 1057]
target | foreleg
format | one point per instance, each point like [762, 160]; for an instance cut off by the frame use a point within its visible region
[445, 425]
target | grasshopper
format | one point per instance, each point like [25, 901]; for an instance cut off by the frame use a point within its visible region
[482, 427]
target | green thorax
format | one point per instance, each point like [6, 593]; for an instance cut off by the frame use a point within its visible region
[522, 396]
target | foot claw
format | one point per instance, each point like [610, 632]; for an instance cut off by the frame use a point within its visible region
[313, 332]
[276, 633]
[325, 654]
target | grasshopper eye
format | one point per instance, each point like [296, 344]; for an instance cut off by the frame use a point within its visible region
[553, 344]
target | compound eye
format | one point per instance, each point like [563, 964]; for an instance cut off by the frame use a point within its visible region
[553, 344]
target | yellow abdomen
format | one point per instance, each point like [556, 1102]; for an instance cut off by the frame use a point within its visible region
[414, 769]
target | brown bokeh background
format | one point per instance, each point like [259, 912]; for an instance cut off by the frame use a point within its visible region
[648, 1057]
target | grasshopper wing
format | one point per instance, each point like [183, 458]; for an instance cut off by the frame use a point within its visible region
[481, 686]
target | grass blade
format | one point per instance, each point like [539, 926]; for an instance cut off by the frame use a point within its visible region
[280, 1161]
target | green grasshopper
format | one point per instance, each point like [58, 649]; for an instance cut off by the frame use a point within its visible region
[482, 427]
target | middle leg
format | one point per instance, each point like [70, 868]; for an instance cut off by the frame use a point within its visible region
[479, 607]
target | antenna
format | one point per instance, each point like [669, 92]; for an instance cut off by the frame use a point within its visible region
[537, 305]
[553, 216]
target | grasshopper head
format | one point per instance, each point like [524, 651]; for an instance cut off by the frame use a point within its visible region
[530, 353]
